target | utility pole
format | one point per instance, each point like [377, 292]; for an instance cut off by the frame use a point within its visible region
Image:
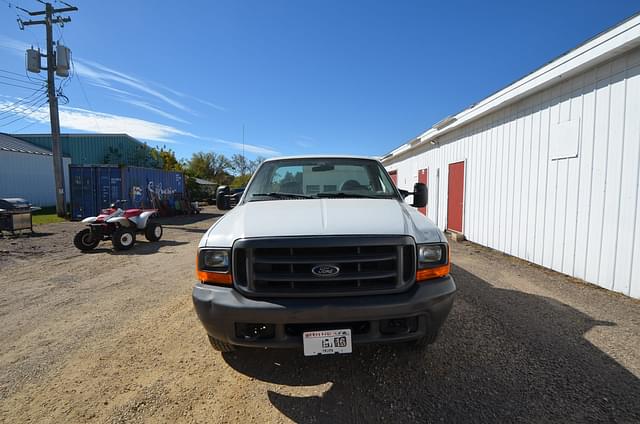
[56, 148]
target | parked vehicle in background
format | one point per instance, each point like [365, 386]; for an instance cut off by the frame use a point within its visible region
[322, 253]
[227, 198]
[118, 225]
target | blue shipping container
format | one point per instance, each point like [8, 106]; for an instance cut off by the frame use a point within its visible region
[95, 187]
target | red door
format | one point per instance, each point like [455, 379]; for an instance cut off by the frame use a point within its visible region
[423, 177]
[394, 177]
[455, 202]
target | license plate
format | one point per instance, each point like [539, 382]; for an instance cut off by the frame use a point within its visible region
[326, 342]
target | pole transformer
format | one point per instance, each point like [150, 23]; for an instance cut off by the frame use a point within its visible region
[56, 149]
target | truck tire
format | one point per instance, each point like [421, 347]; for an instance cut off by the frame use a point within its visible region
[221, 346]
[85, 241]
[153, 232]
[123, 239]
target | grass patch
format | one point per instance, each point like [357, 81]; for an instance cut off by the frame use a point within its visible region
[46, 216]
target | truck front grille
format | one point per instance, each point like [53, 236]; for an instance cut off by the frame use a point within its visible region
[284, 267]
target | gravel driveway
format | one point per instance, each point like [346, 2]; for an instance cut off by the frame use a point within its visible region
[112, 337]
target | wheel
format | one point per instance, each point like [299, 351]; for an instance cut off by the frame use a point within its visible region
[153, 232]
[221, 346]
[85, 241]
[123, 239]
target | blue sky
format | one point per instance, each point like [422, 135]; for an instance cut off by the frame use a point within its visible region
[303, 77]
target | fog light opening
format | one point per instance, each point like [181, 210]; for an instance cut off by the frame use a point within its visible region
[255, 331]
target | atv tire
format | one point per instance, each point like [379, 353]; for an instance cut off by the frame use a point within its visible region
[221, 346]
[85, 241]
[153, 232]
[123, 239]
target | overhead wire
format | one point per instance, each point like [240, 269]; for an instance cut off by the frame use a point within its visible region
[14, 105]
[26, 114]
[19, 109]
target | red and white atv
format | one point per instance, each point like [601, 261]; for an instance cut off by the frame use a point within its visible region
[119, 225]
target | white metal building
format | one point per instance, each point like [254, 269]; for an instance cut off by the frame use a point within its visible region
[548, 168]
[26, 171]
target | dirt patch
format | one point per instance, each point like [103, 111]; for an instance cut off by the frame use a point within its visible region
[112, 337]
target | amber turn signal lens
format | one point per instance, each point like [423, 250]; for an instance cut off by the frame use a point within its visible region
[435, 272]
[214, 277]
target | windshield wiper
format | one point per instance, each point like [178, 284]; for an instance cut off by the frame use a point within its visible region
[280, 195]
[342, 194]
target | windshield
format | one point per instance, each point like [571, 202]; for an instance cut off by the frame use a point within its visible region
[320, 178]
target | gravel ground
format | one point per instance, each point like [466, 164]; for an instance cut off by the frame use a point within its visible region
[112, 337]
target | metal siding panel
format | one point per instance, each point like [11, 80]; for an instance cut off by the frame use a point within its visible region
[613, 175]
[527, 145]
[573, 185]
[550, 181]
[596, 222]
[517, 186]
[586, 165]
[628, 207]
[534, 185]
[30, 176]
[90, 149]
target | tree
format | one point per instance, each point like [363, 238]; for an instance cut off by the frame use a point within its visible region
[254, 164]
[209, 166]
[240, 165]
[169, 160]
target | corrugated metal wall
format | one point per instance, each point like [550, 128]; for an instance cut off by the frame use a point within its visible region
[30, 176]
[579, 216]
[91, 148]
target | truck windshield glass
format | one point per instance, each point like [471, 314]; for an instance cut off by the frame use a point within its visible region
[320, 178]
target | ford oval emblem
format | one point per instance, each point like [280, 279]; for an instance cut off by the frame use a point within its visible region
[325, 270]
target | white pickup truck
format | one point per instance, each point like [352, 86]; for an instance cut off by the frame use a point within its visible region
[322, 253]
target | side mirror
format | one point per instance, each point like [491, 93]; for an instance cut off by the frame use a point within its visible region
[420, 195]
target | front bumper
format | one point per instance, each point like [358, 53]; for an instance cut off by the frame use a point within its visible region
[221, 308]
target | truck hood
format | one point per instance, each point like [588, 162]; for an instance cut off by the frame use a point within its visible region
[320, 217]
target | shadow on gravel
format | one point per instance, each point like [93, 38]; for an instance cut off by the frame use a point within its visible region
[503, 355]
[35, 234]
[188, 219]
[139, 248]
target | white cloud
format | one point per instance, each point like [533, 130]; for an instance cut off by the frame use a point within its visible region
[181, 94]
[259, 150]
[89, 121]
[100, 75]
[16, 47]
[153, 109]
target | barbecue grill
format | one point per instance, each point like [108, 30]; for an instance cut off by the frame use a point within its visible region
[15, 215]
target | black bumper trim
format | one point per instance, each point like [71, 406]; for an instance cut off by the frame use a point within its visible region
[219, 308]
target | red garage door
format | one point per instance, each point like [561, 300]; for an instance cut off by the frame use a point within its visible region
[455, 202]
[394, 177]
[423, 177]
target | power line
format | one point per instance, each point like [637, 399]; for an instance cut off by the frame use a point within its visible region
[17, 86]
[19, 109]
[84, 94]
[24, 115]
[19, 80]
[22, 101]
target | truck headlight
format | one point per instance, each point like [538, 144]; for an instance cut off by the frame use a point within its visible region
[213, 266]
[432, 261]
